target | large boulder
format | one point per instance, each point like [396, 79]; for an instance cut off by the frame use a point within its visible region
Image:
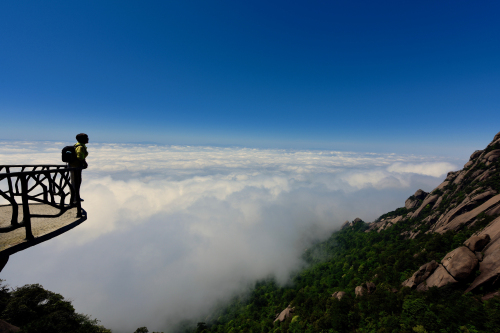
[490, 271]
[287, 313]
[492, 230]
[5, 327]
[421, 274]
[339, 294]
[477, 243]
[439, 278]
[360, 291]
[460, 263]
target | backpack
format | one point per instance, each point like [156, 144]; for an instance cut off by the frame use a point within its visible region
[68, 154]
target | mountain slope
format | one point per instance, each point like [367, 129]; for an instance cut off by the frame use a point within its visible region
[408, 271]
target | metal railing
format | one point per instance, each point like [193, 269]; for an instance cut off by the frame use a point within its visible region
[45, 184]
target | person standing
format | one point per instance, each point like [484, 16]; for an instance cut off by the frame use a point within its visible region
[80, 163]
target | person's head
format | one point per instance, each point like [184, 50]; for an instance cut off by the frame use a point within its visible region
[82, 138]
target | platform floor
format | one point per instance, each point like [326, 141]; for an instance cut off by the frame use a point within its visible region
[46, 227]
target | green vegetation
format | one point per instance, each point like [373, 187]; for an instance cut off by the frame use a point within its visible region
[347, 259]
[36, 310]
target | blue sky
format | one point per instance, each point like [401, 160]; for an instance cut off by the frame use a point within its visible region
[354, 75]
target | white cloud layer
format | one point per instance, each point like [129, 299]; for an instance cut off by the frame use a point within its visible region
[173, 229]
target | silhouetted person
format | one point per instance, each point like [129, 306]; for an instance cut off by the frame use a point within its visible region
[80, 163]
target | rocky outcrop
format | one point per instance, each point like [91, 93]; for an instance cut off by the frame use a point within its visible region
[339, 294]
[477, 243]
[414, 200]
[491, 156]
[5, 327]
[360, 291]
[365, 288]
[490, 271]
[493, 232]
[421, 274]
[439, 278]
[460, 263]
[350, 224]
[345, 225]
[453, 220]
[287, 313]
[428, 200]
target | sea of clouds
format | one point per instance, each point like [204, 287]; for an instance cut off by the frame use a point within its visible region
[172, 230]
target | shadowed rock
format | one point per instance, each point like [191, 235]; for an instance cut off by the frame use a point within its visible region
[493, 230]
[421, 274]
[460, 263]
[490, 296]
[490, 271]
[370, 286]
[5, 327]
[477, 243]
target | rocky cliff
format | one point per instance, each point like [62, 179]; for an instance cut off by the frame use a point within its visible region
[466, 198]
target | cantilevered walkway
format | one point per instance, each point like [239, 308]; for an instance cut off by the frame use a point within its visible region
[39, 203]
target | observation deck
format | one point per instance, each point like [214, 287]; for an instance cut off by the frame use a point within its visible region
[37, 203]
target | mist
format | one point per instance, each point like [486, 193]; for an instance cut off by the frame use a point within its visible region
[172, 230]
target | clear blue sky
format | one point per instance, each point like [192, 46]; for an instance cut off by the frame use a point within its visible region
[361, 75]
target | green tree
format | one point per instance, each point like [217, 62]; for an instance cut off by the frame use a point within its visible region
[35, 309]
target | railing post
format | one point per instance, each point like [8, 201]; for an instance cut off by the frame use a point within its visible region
[15, 208]
[26, 207]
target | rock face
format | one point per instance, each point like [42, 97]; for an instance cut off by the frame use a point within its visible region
[439, 278]
[465, 198]
[460, 263]
[493, 231]
[490, 271]
[454, 220]
[339, 294]
[287, 313]
[413, 201]
[5, 327]
[428, 200]
[477, 243]
[421, 275]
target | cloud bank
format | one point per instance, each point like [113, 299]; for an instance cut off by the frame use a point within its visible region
[171, 230]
